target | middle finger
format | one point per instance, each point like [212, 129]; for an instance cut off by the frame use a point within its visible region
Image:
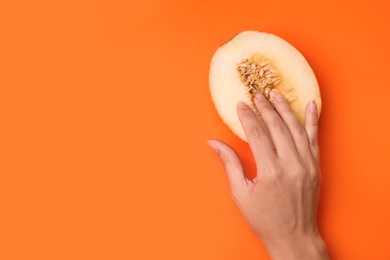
[279, 132]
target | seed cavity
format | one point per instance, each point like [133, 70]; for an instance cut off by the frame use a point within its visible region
[259, 76]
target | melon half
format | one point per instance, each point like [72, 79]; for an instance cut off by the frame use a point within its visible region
[253, 62]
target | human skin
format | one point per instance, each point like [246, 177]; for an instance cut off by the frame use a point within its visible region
[280, 203]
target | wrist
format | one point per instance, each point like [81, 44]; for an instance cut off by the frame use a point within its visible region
[311, 247]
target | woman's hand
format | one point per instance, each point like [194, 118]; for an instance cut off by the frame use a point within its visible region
[280, 204]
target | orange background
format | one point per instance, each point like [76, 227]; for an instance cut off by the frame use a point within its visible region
[105, 112]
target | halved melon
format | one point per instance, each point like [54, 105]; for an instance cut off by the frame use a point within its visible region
[254, 62]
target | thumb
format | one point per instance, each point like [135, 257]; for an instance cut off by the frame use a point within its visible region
[231, 162]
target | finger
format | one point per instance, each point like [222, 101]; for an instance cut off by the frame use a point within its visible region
[295, 127]
[311, 126]
[257, 135]
[279, 132]
[232, 164]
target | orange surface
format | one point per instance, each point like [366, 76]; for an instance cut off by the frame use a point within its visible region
[105, 112]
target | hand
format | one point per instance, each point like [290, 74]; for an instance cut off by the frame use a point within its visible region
[280, 204]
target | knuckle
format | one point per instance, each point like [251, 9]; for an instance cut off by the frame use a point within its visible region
[256, 132]
[305, 172]
[275, 175]
[246, 114]
[314, 172]
[275, 170]
[279, 126]
[224, 159]
[314, 178]
[299, 129]
[314, 142]
[299, 171]
[314, 123]
[296, 171]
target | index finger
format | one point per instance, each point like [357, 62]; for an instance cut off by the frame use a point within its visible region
[257, 134]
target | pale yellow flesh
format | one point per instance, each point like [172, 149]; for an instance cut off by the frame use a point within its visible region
[227, 89]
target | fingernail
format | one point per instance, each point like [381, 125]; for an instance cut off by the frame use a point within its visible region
[242, 105]
[313, 107]
[212, 145]
[278, 97]
[260, 97]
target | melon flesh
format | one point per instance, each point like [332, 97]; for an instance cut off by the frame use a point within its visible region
[298, 84]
